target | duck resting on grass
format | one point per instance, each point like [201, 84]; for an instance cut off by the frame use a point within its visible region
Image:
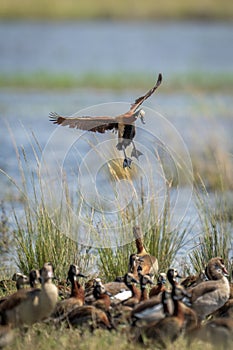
[124, 124]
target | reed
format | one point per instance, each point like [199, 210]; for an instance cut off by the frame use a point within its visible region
[213, 167]
[215, 238]
[159, 239]
[39, 236]
[5, 239]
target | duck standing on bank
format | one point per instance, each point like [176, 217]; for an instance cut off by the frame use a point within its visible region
[77, 296]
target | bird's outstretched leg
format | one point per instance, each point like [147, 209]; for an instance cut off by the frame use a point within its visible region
[127, 161]
[135, 152]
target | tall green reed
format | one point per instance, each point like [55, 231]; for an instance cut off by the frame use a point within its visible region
[159, 238]
[215, 238]
[39, 236]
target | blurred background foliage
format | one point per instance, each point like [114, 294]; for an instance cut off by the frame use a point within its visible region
[122, 9]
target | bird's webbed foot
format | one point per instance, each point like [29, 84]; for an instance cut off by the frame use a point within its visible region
[127, 162]
[136, 153]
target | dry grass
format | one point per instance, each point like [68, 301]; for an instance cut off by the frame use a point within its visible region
[44, 337]
[213, 167]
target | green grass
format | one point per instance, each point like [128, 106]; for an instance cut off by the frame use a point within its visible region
[188, 82]
[109, 9]
[216, 234]
[159, 239]
[39, 237]
[44, 337]
[213, 167]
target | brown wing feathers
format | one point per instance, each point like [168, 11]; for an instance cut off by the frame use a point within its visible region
[141, 99]
[94, 124]
[103, 123]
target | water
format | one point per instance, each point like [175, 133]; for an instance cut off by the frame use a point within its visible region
[79, 47]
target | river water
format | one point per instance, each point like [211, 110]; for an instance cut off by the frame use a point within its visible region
[193, 120]
[76, 47]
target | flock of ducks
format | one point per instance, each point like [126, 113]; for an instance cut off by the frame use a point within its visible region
[200, 307]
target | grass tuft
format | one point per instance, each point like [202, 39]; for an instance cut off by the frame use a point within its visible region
[216, 237]
[39, 237]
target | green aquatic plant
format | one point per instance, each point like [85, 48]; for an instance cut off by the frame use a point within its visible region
[215, 238]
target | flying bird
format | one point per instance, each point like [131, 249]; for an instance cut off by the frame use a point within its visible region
[124, 124]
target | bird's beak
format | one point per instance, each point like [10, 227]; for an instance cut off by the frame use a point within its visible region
[225, 272]
[140, 259]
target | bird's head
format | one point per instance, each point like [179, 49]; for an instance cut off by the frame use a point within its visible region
[140, 114]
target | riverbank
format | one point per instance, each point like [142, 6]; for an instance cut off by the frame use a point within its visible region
[192, 81]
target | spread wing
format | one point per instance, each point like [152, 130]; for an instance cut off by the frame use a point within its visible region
[94, 124]
[141, 99]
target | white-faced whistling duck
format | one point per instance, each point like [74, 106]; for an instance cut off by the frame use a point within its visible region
[77, 296]
[101, 295]
[34, 278]
[169, 328]
[144, 280]
[160, 286]
[134, 261]
[20, 279]
[136, 293]
[89, 316]
[116, 289]
[129, 297]
[152, 310]
[123, 123]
